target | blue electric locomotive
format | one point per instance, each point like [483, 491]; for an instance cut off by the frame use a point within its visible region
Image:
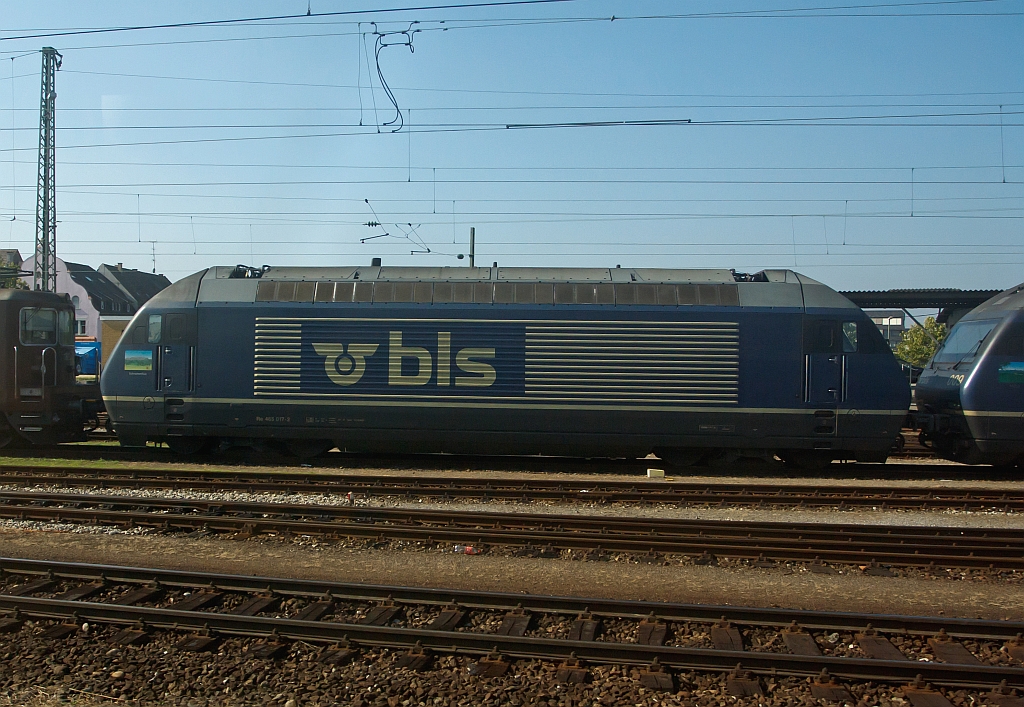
[970, 399]
[582, 362]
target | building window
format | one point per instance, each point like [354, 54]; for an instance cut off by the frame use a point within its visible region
[75, 301]
[79, 326]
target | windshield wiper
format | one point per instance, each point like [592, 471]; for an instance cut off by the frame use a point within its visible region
[973, 350]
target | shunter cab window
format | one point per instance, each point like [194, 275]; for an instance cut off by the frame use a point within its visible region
[66, 328]
[38, 326]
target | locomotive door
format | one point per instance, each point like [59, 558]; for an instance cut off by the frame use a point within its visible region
[824, 369]
[177, 354]
[35, 353]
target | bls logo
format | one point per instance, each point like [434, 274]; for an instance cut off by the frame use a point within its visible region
[345, 365]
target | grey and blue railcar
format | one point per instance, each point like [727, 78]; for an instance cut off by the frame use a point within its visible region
[970, 398]
[693, 364]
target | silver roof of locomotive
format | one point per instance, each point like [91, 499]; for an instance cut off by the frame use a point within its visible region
[448, 274]
[769, 288]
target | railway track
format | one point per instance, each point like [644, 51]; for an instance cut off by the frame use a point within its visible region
[544, 534]
[496, 628]
[683, 493]
[338, 461]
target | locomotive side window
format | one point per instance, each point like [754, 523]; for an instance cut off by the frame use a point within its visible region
[422, 292]
[564, 294]
[155, 325]
[285, 292]
[483, 293]
[324, 292]
[38, 326]
[729, 295]
[646, 294]
[404, 291]
[687, 294]
[442, 292]
[709, 294]
[503, 292]
[66, 330]
[605, 294]
[545, 293]
[384, 292]
[266, 291]
[462, 292]
[304, 291]
[139, 334]
[849, 337]
[343, 291]
[524, 293]
[666, 295]
[364, 292]
[625, 293]
[586, 294]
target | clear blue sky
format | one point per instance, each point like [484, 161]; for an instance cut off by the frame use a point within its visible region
[861, 146]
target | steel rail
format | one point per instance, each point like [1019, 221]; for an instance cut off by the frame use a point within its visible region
[473, 643]
[481, 644]
[1001, 549]
[601, 491]
[895, 624]
[946, 537]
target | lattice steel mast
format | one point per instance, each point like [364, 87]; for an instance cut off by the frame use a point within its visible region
[46, 201]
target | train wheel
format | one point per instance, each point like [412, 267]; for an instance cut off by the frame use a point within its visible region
[807, 459]
[309, 448]
[8, 437]
[680, 456]
[187, 446]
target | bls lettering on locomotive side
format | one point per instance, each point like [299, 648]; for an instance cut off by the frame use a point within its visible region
[346, 364]
[366, 357]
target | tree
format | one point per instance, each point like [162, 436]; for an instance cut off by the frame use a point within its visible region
[9, 276]
[917, 347]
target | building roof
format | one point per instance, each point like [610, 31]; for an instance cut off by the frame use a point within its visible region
[138, 285]
[940, 298]
[106, 296]
[11, 256]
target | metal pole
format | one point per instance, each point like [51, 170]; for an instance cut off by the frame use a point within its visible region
[472, 247]
[46, 202]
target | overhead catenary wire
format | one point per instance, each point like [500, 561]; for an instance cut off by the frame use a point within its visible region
[816, 11]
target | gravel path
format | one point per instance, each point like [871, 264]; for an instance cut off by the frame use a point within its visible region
[944, 518]
[954, 594]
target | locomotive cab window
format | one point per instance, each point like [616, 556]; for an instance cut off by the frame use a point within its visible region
[849, 337]
[38, 326]
[964, 341]
[139, 334]
[821, 336]
[155, 326]
[177, 328]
